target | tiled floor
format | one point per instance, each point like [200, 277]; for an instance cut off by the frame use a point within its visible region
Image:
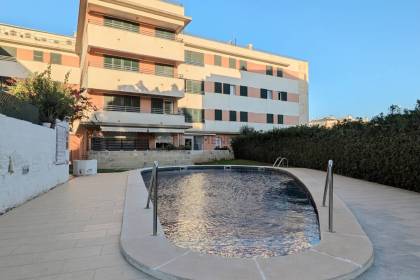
[71, 232]
[391, 219]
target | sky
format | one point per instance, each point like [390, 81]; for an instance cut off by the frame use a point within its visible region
[364, 55]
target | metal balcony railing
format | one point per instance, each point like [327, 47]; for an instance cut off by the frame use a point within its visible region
[148, 30]
[119, 108]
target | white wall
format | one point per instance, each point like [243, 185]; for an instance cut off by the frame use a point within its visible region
[30, 147]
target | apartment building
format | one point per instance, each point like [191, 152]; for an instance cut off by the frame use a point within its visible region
[156, 87]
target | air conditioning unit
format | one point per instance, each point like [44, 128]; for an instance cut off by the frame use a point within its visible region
[85, 167]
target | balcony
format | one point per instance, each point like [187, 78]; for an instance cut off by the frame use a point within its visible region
[131, 117]
[110, 38]
[134, 82]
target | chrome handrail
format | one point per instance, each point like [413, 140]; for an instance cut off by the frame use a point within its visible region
[329, 186]
[281, 161]
[153, 187]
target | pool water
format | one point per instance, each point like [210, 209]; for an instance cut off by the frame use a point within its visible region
[236, 213]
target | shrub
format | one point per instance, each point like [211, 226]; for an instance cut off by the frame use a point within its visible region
[54, 100]
[385, 150]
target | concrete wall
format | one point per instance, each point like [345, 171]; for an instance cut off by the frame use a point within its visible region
[140, 159]
[27, 162]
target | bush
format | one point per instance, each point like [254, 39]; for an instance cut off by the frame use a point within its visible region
[54, 100]
[385, 150]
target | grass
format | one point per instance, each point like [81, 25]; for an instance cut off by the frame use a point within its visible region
[236, 162]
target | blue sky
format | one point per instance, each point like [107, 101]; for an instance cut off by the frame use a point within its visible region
[364, 55]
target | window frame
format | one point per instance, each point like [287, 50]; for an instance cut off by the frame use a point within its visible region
[263, 93]
[191, 87]
[269, 70]
[164, 70]
[232, 62]
[243, 91]
[218, 115]
[122, 24]
[56, 58]
[283, 96]
[38, 56]
[218, 87]
[280, 73]
[217, 60]
[194, 58]
[270, 118]
[243, 117]
[280, 119]
[243, 65]
[232, 116]
[165, 33]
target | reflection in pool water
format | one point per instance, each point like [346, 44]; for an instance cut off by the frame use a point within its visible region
[236, 213]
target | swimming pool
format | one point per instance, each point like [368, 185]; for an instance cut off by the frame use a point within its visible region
[239, 212]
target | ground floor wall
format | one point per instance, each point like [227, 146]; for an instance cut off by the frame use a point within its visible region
[28, 161]
[138, 159]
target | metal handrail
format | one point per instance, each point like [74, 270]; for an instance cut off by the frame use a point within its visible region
[281, 161]
[153, 187]
[329, 186]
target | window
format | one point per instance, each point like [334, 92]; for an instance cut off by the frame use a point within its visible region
[280, 119]
[226, 88]
[165, 34]
[55, 58]
[38, 56]
[194, 115]
[232, 116]
[232, 89]
[243, 65]
[283, 96]
[263, 93]
[121, 24]
[164, 70]
[243, 116]
[218, 87]
[244, 91]
[218, 60]
[279, 72]
[157, 106]
[269, 94]
[168, 107]
[123, 103]
[218, 115]
[269, 70]
[232, 63]
[119, 63]
[194, 58]
[194, 87]
[270, 118]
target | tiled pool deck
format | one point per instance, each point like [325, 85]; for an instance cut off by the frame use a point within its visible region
[72, 232]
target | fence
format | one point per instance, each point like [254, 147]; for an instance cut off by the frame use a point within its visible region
[14, 108]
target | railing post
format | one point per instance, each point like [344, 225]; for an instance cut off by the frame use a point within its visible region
[155, 201]
[329, 187]
[331, 202]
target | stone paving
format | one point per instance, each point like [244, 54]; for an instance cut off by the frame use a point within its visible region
[72, 232]
[391, 219]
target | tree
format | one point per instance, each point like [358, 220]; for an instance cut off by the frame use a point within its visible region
[54, 100]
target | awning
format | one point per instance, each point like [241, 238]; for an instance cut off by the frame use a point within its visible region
[140, 129]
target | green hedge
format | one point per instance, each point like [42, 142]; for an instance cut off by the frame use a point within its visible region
[385, 150]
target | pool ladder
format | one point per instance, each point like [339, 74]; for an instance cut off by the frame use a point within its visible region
[153, 188]
[281, 162]
[329, 187]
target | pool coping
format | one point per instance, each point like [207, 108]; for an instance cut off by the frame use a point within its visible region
[344, 254]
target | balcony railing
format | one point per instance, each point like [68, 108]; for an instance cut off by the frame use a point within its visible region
[118, 108]
[150, 31]
[115, 144]
[132, 109]
[142, 70]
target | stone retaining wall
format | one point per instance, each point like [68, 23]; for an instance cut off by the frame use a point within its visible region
[140, 159]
